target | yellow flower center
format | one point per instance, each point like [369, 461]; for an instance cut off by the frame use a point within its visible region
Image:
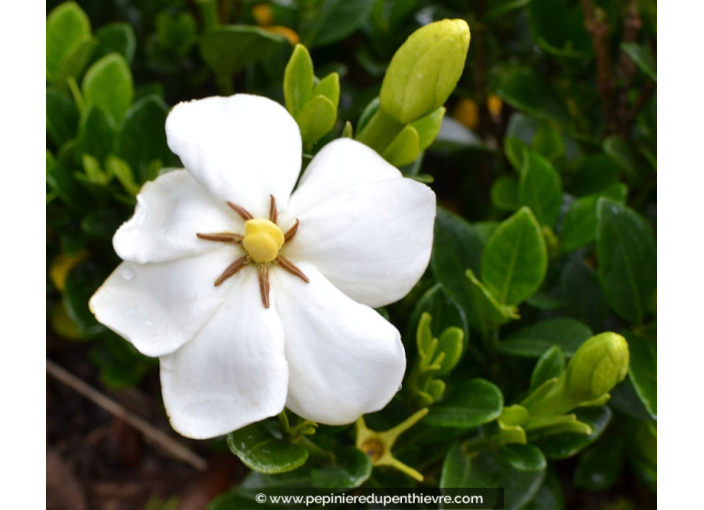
[262, 240]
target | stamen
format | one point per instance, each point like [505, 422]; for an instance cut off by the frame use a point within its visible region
[273, 214]
[264, 286]
[231, 269]
[291, 232]
[223, 237]
[244, 214]
[291, 268]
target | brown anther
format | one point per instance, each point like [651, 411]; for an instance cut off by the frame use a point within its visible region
[273, 214]
[291, 232]
[231, 269]
[244, 213]
[291, 268]
[223, 237]
[264, 286]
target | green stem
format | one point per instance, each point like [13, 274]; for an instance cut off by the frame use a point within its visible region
[224, 84]
[317, 452]
[209, 14]
[380, 131]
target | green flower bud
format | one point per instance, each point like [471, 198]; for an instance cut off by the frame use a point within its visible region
[597, 366]
[425, 70]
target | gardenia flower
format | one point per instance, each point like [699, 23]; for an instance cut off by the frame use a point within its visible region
[254, 297]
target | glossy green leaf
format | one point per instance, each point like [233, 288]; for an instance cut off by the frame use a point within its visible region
[255, 482]
[61, 116]
[428, 127]
[593, 174]
[457, 246]
[116, 38]
[600, 466]
[316, 118]
[404, 149]
[330, 88]
[142, 138]
[579, 226]
[482, 309]
[643, 57]
[643, 371]
[298, 80]
[259, 450]
[450, 343]
[96, 133]
[108, 86]
[568, 38]
[519, 469]
[504, 193]
[627, 259]
[351, 469]
[551, 364]
[333, 20]
[563, 446]
[228, 49]
[526, 91]
[514, 261]
[534, 340]
[540, 188]
[549, 496]
[445, 313]
[581, 295]
[469, 404]
[68, 43]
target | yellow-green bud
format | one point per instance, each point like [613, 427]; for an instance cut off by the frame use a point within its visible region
[597, 366]
[425, 70]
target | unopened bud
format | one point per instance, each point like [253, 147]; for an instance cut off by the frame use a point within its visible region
[597, 366]
[425, 70]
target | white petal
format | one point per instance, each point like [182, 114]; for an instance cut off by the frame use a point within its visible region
[170, 211]
[340, 165]
[233, 372]
[240, 148]
[160, 306]
[373, 241]
[344, 359]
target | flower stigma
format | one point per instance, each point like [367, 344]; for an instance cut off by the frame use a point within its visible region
[262, 240]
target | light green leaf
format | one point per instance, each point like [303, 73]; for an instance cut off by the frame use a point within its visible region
[469, 404]
[298, 80]
[445, 313]
[483, 311]
[540, 188]
[514, 261]
[108, 85]
[262, 452]
[504, 193]
[565, 445]
[627, 259]
[68, 43]
[428, 127]
[330, 88]
[316, 118]
[450, 343]
[404, 149]
[535, 340]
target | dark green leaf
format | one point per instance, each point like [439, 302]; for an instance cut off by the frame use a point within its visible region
[600, 466]
[498, 7]
[121, 365]
[61, 116]
[142, 138]
[108, 85]
[454, 136]
[444, 310]
[579, 227]
[627, 259]
[228, 49]
[581, 295]
[262, 452]
[551, 364]
[456, 248]
[594, 173]
[176, 32]
[621, 152]
[533, 341]
[549, 496]
[527, 91]
[102, 222]
[255, 482]
[82, 281]
[563, 446]
[568, 37]
[548, 142]
[116, 38]
[334, 20]
[643, 371]
[482, 309]
[514, 261]
[96, 134]
[643, 57]
[504, 193]
[468, 405]
[540, 188]
[351, 468]
[515, 150]
[519, 469]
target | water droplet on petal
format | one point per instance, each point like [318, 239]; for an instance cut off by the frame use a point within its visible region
[127, 273]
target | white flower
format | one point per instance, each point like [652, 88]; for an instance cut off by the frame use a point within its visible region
[244, 321]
